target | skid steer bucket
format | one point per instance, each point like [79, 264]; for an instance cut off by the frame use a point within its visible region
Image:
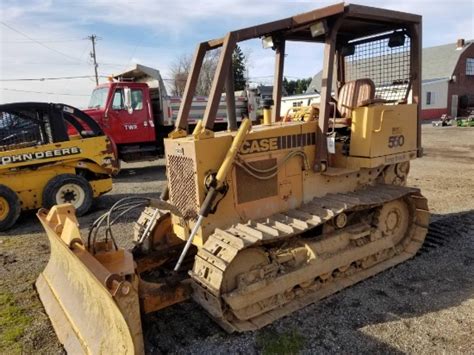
[92, 302]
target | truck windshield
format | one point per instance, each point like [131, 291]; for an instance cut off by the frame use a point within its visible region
[98, 98]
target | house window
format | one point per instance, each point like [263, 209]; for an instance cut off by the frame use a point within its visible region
[429, 98]
[470, 66]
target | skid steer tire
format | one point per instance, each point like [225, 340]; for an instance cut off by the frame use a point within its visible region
[69, 188]
[9, 207]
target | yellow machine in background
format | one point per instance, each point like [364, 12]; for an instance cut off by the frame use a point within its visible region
[260, 222]
[42, 165]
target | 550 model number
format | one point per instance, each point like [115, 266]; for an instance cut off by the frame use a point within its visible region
[396, 141]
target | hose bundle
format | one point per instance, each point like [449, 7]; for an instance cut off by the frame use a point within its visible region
[268, 173]
[109, 218]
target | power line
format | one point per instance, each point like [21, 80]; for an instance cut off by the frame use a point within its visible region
[38, 42]
[52, 78]
[42, 92]
[40, 63]
[56, 63]
[133, 53]
[84, 51]
[45, 41]
[112, 64]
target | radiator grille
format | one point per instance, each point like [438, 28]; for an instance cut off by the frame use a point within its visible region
[182, 185]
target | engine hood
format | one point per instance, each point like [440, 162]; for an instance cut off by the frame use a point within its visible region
[96, 114]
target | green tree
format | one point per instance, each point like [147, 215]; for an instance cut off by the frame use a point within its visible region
[295, 87]
[238, 65]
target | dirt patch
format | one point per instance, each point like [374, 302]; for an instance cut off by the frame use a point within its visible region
[425, 305]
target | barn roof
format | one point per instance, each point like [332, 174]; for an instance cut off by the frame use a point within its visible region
[438, 63]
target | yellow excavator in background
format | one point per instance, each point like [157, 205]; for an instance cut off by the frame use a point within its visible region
[262, 221]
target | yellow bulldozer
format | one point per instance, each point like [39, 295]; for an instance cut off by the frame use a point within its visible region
[51, 154]
[261, 221]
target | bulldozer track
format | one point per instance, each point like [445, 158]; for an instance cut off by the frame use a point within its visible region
[258, 297]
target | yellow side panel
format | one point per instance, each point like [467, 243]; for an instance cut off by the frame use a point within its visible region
[95, 149]
[100, 187]
[383, 130]
[204, 156]
[29, 184]
[28, 170]
[278, 194]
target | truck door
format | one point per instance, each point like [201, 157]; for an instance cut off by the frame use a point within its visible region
[131, 126]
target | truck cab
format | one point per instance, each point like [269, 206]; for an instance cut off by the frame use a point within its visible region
[132, 123]
[129, 108]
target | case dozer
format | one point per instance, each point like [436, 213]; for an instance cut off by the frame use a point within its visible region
[51, 154]
[261, 221]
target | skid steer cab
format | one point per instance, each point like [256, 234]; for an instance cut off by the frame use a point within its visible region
[51, 154]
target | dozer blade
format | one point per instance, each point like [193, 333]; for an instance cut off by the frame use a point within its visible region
[93, 305]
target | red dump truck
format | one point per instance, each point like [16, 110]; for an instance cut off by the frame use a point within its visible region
[136, 112]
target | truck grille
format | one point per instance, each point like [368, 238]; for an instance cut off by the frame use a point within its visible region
[182, 185]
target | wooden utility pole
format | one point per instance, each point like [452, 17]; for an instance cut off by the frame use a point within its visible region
[93, 39]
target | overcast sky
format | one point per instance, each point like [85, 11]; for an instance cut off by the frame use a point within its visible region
[47, 38]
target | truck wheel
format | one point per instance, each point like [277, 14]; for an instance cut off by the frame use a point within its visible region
[68, 188]
[9, 207]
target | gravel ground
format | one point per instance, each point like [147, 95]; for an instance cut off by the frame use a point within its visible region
[425, 305]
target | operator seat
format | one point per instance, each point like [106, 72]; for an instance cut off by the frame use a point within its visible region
[353, 94]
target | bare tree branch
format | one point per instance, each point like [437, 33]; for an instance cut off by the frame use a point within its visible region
[181, 67]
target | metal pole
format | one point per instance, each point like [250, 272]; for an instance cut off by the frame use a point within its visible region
[190, 88]
[320, 164]
[278, 80]
[189, 242]
[93, 38]
[220, 76]
[230, 100]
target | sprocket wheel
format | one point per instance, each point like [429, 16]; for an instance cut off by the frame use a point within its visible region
[247, 265]
[393, 220]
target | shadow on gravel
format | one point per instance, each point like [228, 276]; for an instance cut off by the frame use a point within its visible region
[28, 222]
[441, 276]
[141, 174]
